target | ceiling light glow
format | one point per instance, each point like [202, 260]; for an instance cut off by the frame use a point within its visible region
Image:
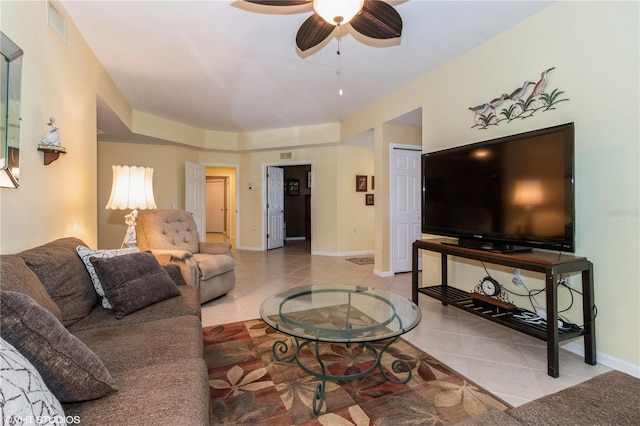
[337, 12]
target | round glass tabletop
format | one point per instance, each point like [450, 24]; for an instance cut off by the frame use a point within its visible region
[340, 313]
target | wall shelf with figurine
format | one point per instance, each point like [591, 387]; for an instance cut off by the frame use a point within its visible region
[50, 146]
[51, 153]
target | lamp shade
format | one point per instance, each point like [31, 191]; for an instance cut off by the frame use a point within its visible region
[132, 188]
[528, 193]
[337, 12]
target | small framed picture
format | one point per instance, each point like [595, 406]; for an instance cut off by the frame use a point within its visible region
[368, 199]
[361, 183]
[293, 187]
[373, 183]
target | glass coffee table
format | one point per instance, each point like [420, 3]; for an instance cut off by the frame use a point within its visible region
[343, 314]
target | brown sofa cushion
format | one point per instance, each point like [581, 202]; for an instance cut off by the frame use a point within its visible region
[134, 281]
[173, 269]
[68, 367]
[187, 304]
[132, 346]
[15, 275]
[174, 393]
[65, 277]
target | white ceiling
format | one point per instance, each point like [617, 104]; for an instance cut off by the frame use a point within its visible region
[233, 66]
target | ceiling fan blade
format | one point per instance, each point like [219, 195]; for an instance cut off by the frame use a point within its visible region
[378, 20]
[279, 2]
[312, 32]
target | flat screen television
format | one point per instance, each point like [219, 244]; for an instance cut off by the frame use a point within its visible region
[507, 194]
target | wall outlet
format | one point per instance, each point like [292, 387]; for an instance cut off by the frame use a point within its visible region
[567, 281]
[516, 277]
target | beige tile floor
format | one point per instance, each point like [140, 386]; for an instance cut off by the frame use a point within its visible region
[507, 363]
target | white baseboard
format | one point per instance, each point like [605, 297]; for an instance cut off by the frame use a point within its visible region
[295, 239]
[315, 252]
[250, 248]
[348, 253]
[383, 274]
[604, 359]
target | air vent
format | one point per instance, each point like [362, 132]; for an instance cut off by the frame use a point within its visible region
[285, 155]
[56, 21]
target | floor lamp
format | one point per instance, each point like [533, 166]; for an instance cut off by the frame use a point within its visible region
[132, 188]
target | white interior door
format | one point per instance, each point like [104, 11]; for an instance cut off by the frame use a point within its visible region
[406, 205]
[216, 205]
[275, 207]
[194, 195]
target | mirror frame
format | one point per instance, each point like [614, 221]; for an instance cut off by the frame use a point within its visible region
[10, 114]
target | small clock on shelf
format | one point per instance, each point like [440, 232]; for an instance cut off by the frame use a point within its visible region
[490, 291]
[490, 287]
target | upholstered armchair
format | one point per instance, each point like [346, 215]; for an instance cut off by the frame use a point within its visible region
[172, 236]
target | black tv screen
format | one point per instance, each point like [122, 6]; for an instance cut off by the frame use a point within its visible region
[507, 194]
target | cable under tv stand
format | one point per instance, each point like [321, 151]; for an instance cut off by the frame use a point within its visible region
[549, 264]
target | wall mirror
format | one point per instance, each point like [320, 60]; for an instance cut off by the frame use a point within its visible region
[11, 75]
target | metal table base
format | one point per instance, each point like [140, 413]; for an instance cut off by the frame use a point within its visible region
[397, 366]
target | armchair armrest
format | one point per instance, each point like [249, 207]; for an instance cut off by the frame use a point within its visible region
[173, 253]
[216, 248]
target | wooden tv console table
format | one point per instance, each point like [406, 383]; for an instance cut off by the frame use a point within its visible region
[550, 264]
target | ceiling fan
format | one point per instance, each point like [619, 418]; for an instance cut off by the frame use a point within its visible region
[372, 18]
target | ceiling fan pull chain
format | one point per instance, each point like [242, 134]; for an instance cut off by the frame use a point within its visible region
[339, 70]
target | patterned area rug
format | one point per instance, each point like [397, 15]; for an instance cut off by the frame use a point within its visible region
[367, 260]
[248, 386]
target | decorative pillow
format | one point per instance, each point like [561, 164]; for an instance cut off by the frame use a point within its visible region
[25, 397]
[69, 368]
[65, 277]
[15, 275]
[85, 253]
[133, 281]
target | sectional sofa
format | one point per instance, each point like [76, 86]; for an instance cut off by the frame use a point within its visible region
[65, 356]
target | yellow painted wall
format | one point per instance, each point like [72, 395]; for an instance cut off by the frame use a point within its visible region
[336, 208]
[594, 47]
[385, 135]
[354, 225]
[167, 162]
[292, 136]
[323, 198]
[59, 79]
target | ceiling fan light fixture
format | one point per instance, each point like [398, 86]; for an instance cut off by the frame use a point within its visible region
[337, 12]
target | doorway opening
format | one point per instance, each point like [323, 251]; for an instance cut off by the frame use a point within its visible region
[289, 206]
[217, 205]
[405, 189]
[220, 202]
